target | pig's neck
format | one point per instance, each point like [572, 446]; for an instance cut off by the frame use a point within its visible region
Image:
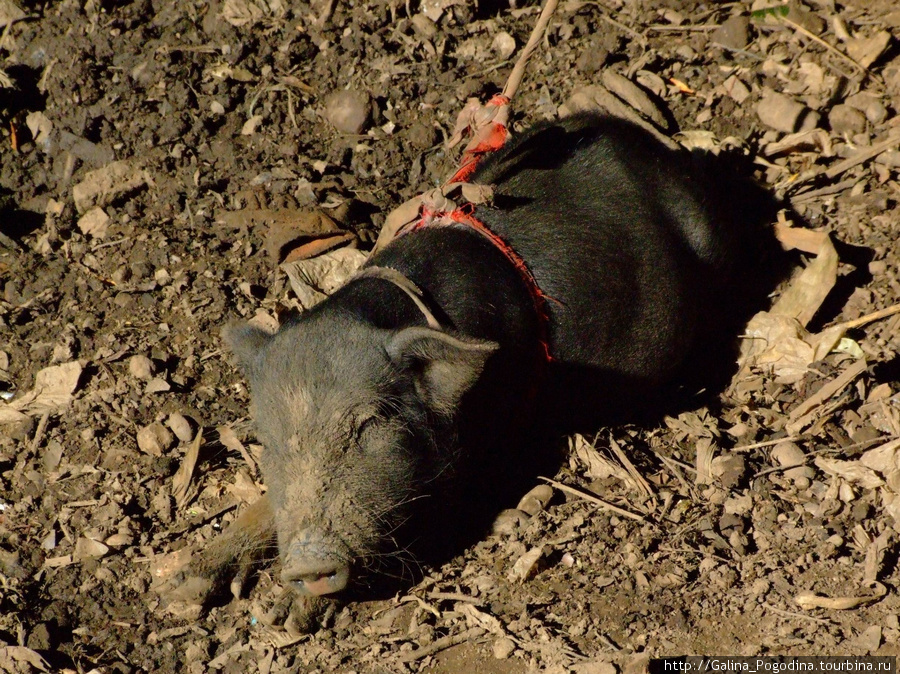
[472, 289]
[469, 282]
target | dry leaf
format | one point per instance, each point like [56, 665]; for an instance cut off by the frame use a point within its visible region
[852, 471]
[777, 340]
[706, 450]
[314, 279]
[11, 657]
[181, 483]
[229, 439]
[803, 413]
[809, 289]
[243, 12]
[884, 459]
[53, 388]
[526, 565]
[813, 140]
[634, 96]
[874, 556]
[105, 185]
[596, 466]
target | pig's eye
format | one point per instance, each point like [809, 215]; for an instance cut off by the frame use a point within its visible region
[366, 425]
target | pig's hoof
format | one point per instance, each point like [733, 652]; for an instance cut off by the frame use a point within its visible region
[205, 577]
[298, 614]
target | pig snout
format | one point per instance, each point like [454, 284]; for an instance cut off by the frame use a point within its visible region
[316, 564]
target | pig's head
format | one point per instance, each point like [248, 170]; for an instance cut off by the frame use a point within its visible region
[359, 424]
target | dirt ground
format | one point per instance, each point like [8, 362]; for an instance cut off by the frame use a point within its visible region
[139, 143]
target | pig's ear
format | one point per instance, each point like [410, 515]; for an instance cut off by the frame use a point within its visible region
[445, 367]
[245, 341]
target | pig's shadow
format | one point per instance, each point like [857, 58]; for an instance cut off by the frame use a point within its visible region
[584, 399]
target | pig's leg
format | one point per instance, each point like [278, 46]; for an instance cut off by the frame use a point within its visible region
[229, 559]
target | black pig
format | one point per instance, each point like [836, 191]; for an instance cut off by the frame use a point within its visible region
[368, 415]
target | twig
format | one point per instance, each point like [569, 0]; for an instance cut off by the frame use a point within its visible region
[795, 614]
[863, 156]
[767, 443]
[594, 499]
[671, 464]
[834, 50]
[827, 391]
[621, 26]
[39, 433]
[869, 318]
[453, 596]
[537, 34]
[776, 469]
[630, 468]
[442, 643]
[828, 190]
[662, 28]
[742, 52]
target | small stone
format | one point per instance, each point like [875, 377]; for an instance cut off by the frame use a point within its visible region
[789, 454]
[877, 267]
[39, 638]
[785, 114]
[423, 26]
[890, 158]
[155, 439]
[869, 640]
[162, 276]
[158, 385]
[735, 88]
[870, 105]
[729, 469]
[876, 112]
[88, 548]
[846, 121]
[503, 648]
[348, 110]
[119, 540]
[504, 44]
[180, 426]
[94, 223]
[508, 521]
[805, 18]
[734, 33]
[534, 501]
[866, 50]
[251, 125]
[140, 367]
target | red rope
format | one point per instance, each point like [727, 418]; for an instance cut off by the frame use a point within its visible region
[489, 137]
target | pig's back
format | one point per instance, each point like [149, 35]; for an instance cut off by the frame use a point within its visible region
[614, 231]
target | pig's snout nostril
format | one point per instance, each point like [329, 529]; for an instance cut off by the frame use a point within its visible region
[317, 579]
[316, 563]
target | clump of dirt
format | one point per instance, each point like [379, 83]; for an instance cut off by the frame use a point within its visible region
[145, 150]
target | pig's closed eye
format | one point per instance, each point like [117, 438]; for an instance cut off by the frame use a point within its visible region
[366, 425]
